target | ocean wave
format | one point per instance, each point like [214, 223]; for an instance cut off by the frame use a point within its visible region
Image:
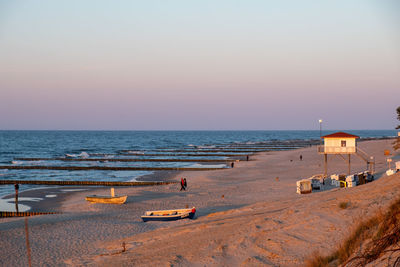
[33, 162]
[205, 147]
[134, 152]
[197, 165]
[83, 155]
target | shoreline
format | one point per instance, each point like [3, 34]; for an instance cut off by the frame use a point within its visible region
[158, 175]
[236, 207]
[36, 200]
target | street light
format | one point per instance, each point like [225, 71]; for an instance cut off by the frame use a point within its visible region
[320, 127]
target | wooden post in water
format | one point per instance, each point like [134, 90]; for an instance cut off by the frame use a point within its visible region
[112, 192]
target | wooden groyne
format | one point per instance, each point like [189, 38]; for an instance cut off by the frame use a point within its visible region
[24, 214]
[103, 168]
[230, 150]
[220, 150]
[126, 160]
[85, 183]
[289, 143]
[185, 154]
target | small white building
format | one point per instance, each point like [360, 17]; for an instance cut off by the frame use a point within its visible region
[339, 143]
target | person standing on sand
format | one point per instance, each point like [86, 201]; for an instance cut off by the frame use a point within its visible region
[301, 157]
[16, 186]
[182, 184]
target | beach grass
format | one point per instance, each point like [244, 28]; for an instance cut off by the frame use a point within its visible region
[376, 235]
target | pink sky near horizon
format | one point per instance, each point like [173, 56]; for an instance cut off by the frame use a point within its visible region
[255, 66]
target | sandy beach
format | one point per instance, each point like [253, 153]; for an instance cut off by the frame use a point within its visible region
[246, 216]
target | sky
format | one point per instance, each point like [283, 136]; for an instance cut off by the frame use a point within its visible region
[199, 65]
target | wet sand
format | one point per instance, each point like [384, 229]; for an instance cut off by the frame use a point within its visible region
[246, 216]
[50, 198]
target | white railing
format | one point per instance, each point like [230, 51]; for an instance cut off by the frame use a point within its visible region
[336, 150]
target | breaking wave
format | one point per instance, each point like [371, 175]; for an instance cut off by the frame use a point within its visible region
[83, 155]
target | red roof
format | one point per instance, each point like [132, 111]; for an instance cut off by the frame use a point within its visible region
[340, 135]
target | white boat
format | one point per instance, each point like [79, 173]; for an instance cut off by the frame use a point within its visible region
[168, 215]
[106, 199]
[112, 199]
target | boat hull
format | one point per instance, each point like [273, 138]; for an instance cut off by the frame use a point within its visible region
[106, 199]
[168, 215]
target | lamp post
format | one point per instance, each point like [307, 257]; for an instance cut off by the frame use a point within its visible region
[320, 128]
[325, 155]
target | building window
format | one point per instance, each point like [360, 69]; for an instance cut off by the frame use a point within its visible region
[343, 143]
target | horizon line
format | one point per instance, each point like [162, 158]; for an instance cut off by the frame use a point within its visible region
[194, 130]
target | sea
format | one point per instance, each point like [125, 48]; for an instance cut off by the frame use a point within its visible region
[48, 146]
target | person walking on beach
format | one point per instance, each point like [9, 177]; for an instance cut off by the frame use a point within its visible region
[301, 157]
[182, 184]
[16, 186]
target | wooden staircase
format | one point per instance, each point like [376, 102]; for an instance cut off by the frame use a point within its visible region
[368, 159]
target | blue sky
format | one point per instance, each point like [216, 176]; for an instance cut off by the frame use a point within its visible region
[205, 65]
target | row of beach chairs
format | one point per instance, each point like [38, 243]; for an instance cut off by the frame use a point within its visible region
[340, 180]
[393, 171]
[317, 182]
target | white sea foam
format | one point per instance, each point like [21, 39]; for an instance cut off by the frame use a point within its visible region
[197, 165]
[72, 190]
[83, 155]
[202, 147]
[33, 199]
[134, 179]
[34, 162]
[9, 205]
[49, 196]
[134, 152]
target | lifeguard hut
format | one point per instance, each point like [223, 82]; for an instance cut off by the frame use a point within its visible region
[343, 145]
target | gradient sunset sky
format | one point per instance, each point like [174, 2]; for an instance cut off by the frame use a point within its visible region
[199, 65]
